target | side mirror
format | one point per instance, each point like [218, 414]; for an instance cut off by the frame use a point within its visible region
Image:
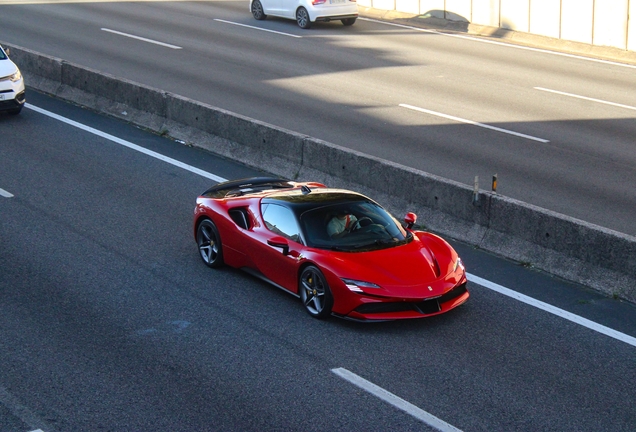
[8, 52]
[279, 242]
[410, 219]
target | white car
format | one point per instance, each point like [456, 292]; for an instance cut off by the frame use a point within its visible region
[306, 12]
[11, 85]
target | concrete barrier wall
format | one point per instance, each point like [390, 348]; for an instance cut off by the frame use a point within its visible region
[545, 18]
[515, 15]
[603, 23]
[486, 12]
[563, 246]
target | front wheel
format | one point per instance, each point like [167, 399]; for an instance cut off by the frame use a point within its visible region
[315, 293]
[257, 10]
[302, 18]
[348, 21]
[209, 243]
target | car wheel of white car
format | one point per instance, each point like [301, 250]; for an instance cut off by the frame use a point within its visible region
[257, 10]
[302, 18]
[348, 21]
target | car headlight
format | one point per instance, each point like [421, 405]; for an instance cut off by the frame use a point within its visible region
[16, 76]
[458, 263]
[356, 285]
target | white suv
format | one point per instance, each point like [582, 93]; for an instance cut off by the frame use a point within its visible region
[11, 85]
[306, 12]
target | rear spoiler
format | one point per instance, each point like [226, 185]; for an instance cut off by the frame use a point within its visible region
[247, 185]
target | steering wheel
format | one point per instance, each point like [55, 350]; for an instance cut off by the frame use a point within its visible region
[358, 224]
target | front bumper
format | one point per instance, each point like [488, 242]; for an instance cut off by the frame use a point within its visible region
[400, 309]
[12, 101]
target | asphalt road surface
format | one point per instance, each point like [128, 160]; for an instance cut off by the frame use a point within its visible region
[558, 131]
[110, 321]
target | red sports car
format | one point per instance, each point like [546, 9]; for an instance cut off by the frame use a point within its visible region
[337, 250]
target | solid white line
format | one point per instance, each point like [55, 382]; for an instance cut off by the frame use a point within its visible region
[22, 412]
[6, 194]
[257, 28]
[527, 48]
[475, 279]
[128, 144]
[142, 39]
[553, 310]
[461, 120]
[586, 98]
[394, 400]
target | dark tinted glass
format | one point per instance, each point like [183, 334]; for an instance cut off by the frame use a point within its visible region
[281, 220]
[375, 227]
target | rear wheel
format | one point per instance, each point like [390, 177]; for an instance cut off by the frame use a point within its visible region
[209, 243]
[348, 21]
[257, 10]
[302, 18]
[315, 293]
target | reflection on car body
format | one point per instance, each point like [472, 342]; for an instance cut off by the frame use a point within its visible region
[378, 270]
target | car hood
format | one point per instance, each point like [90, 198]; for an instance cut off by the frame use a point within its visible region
[7, 67]
[418, 269]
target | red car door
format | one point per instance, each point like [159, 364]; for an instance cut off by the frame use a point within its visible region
[275, 247]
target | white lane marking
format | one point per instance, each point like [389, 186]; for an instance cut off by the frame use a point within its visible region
[394, 400]
[22, 412]
[5, 194]
[128, 144]
[257, 28]
[488, 41]
[461, 120]
[553, 310]
[572, 95]
[476, 279]
[142, 39]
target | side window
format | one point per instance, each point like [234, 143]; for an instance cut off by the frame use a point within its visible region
[281, 221]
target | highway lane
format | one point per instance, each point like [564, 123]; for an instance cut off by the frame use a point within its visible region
[108, 319]
[350, 86]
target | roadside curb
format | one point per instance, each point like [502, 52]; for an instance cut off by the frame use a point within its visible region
[600, 258]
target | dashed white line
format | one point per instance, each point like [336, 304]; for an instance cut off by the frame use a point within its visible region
[128, 35]
[257, 28]
[474, 123]
[553, 310]
[492, 42]
[396, 401]
[5, 194]
[572, 95]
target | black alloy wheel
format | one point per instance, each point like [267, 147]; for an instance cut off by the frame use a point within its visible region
[315, 293]
[209, 243]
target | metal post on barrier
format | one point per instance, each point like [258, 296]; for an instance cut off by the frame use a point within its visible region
[476, 191]
[494, 183]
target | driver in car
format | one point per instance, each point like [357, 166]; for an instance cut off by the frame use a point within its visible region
[341, 225]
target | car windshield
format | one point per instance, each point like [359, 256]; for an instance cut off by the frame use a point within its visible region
[352, 226]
